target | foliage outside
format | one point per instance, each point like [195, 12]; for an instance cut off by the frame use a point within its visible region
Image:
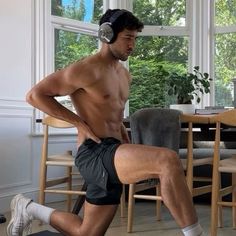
[188, 85]
[225, 56]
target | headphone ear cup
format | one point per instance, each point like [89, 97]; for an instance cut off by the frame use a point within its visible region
[106, 33]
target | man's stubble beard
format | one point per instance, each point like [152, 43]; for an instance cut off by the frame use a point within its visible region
[118, 55]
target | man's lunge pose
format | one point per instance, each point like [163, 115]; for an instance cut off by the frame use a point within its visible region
[99, 87]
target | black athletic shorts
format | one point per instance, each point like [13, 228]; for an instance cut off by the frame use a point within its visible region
[95, 162]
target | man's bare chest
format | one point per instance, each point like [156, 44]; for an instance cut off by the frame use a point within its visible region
[113, 89]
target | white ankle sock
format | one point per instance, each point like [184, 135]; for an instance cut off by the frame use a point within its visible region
[40, 212]
[193, 230]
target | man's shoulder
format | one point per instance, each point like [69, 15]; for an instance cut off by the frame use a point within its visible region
[89, 64]
[83, 65]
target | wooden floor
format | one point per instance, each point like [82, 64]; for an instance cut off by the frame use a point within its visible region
[145, 223]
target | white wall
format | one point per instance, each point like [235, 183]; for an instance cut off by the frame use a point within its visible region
[19, 150]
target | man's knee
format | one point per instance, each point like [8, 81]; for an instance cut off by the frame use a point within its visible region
[171, 162]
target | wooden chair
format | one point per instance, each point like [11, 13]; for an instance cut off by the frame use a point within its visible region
[222, 166]
[190, 162]
[156, 127]
[58, 160]
[62, 160]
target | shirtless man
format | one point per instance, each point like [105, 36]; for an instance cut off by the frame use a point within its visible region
[99, 87]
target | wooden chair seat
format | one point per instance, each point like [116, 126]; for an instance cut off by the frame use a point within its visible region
[61, 157]
[228, 165]
[198, 162]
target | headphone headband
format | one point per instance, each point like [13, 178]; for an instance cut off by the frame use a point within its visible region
[116, 15]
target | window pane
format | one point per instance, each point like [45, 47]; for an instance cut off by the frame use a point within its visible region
[161, 12]
[71, 47]
[152, 59]
[225, 70]
[82, 10]
[225, 12]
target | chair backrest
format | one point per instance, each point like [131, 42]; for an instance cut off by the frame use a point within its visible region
[56, 123]
[53, 122]
[227, 118]
[156, 127]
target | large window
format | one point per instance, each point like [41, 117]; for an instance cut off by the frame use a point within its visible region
[74, 23]
[160, 12]
[69, 48]
[73, 39]
[158, 54]
[154, 57]
[225, 56]
[178, 35]
[82, 10]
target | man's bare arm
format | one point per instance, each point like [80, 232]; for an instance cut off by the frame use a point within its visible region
[60, 83]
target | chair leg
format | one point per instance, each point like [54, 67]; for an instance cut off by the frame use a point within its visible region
[158, 202]
[122, 202]
[234, 199]
[69, 187]
[220, 209]
[214, 203]
[130, 208]
[42, 186]
[189, 164]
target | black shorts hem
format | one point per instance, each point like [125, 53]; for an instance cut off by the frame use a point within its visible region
[102, 201]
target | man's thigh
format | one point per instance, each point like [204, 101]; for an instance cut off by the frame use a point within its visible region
[134, 162]
[97, 218]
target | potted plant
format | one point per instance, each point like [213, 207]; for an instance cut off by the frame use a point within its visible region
[185, 87]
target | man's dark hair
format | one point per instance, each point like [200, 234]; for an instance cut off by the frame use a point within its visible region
[125, 21]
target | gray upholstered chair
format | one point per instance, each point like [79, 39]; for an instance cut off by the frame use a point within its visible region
[156, 127]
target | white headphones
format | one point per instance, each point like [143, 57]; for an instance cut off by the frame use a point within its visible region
[106, 32]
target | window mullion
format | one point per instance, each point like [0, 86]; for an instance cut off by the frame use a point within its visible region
[212, 51]
[42, 57]
[205, 47]
[150, 30]
[225, 29]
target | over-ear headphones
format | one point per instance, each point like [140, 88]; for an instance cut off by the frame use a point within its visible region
[106, 33]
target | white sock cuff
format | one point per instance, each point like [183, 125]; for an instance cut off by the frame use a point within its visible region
[40, 212]
[193, 230]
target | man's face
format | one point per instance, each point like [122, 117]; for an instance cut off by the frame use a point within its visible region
[124, 44]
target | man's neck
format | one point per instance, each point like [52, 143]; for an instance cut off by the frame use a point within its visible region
[106, 56]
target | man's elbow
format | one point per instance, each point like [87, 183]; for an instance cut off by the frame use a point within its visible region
[31, 97]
